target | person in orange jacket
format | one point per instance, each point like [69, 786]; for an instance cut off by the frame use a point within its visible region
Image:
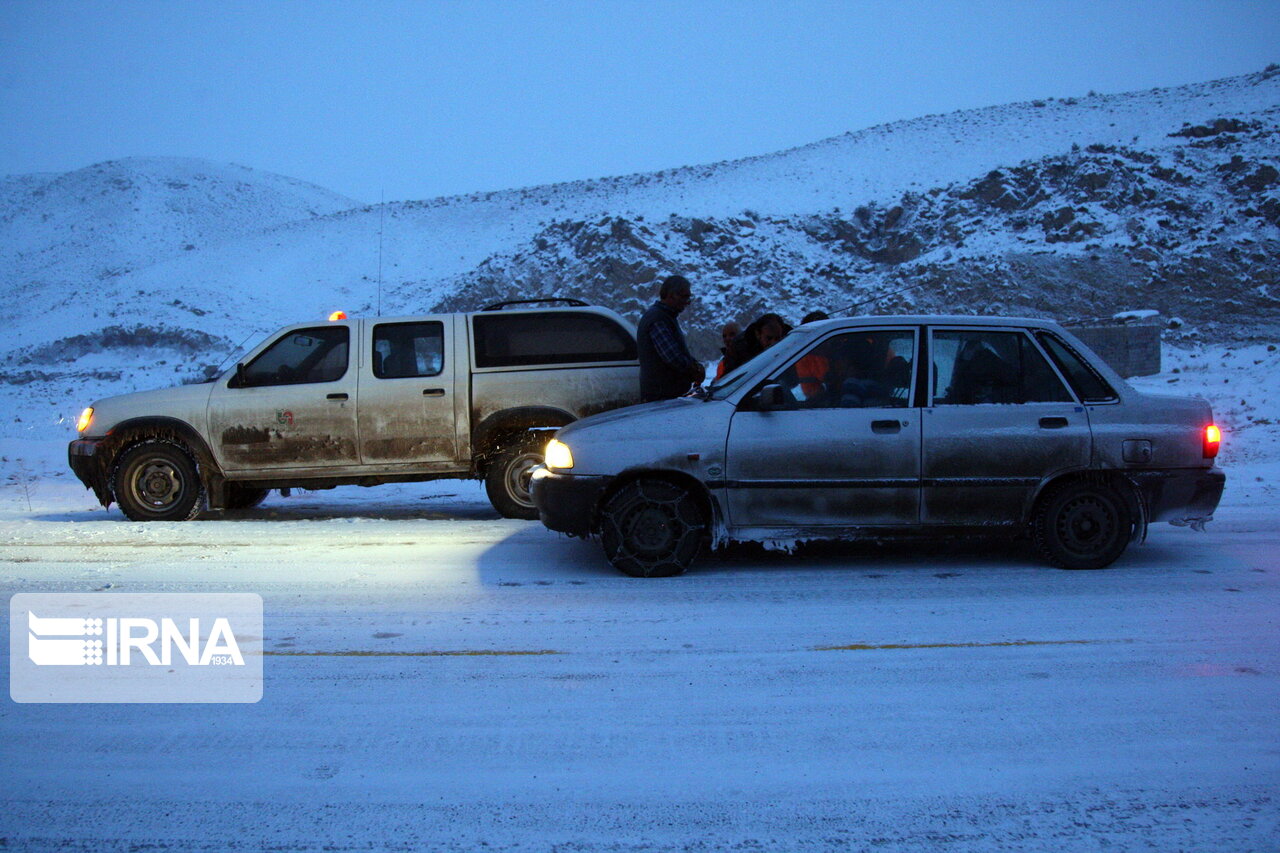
[813, 368]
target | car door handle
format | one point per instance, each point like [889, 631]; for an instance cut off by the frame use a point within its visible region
[883, 427]
[336, 397]
[433, 392]
[1053, 423]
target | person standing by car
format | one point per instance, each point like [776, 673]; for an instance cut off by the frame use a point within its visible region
[766, 331]
[667, 369]
[727, 334]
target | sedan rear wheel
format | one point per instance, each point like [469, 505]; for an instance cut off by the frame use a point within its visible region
[1082, 526]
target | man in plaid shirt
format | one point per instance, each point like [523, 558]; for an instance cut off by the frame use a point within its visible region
[667, 369]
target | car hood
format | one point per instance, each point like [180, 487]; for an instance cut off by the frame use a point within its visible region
[653, 435]
[659, 409]
[180, 402]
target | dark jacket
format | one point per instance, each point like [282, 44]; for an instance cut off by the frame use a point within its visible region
[746, 345]
[660, 380]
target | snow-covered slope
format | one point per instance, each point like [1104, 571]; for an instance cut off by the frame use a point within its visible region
[1190, 228]
[139, 210]
[66, 240]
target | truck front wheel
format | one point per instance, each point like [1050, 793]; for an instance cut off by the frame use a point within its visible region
[507, 479]
[156, 480]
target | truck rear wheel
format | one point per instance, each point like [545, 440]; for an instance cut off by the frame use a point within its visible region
[507, 479]
[157, 480]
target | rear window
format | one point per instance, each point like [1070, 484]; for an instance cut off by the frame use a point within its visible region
[991, 366]
[405, 350]
[1090, 387]
[550, 337]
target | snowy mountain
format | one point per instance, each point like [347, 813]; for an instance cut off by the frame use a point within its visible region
[1190, 229]
[141, 272]
[115, 217]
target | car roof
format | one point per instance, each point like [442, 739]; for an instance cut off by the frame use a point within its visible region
[932, 319]
[504, 312]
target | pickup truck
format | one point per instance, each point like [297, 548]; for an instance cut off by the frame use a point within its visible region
[364, 402]
[881, 426]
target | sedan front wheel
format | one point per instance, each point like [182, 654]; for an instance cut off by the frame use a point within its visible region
[652, 529]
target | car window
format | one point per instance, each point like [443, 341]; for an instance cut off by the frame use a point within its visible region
[402, 350]
[300, 357]
[981, 366]
[1091, 387]
[861, 369]
[549, 337]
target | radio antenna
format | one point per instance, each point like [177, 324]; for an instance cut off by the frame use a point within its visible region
[382, 212]
[878, 298]
[238, 350]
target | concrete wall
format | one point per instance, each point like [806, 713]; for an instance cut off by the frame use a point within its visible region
[1131, 349]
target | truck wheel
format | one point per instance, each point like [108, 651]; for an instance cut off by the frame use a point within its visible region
[652, 529]
[244, 497]
[1081, 526]
[507, 480]
[157, 480]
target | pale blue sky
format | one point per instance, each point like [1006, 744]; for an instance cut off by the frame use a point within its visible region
[432, 98]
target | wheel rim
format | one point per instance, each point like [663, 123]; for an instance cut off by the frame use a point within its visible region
[1086, 526]
[651, 529]
[654, 531]
[520, 475]
[157, 485]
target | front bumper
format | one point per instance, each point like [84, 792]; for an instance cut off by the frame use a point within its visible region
[89, 466]
[567, 502]
[1181, 494]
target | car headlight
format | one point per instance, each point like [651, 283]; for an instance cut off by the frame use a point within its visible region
[558, 455]
[86, 418]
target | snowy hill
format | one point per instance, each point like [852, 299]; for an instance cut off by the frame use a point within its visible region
[129, 213]
[150, 269]
[67, 241]
[1189, 228]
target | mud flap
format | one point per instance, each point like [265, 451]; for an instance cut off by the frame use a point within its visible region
[1142, 518]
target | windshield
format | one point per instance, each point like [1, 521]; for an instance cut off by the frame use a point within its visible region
[734, 379]
[240, 351]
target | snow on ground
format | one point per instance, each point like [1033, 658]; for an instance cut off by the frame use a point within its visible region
[955, 696]
[1241, 383]
[904, 698]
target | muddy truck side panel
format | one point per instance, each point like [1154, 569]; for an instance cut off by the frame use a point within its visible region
[363, 402]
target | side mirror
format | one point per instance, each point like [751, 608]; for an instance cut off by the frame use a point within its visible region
[238, 381]
[770, 397]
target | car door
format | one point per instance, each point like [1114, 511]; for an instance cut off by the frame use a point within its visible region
[291, 406]
[408, 405]
[843, 449]
[999, 420]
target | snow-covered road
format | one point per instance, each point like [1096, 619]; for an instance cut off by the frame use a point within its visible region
[437, 678]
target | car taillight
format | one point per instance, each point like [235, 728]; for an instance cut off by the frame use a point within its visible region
[1212, 440]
